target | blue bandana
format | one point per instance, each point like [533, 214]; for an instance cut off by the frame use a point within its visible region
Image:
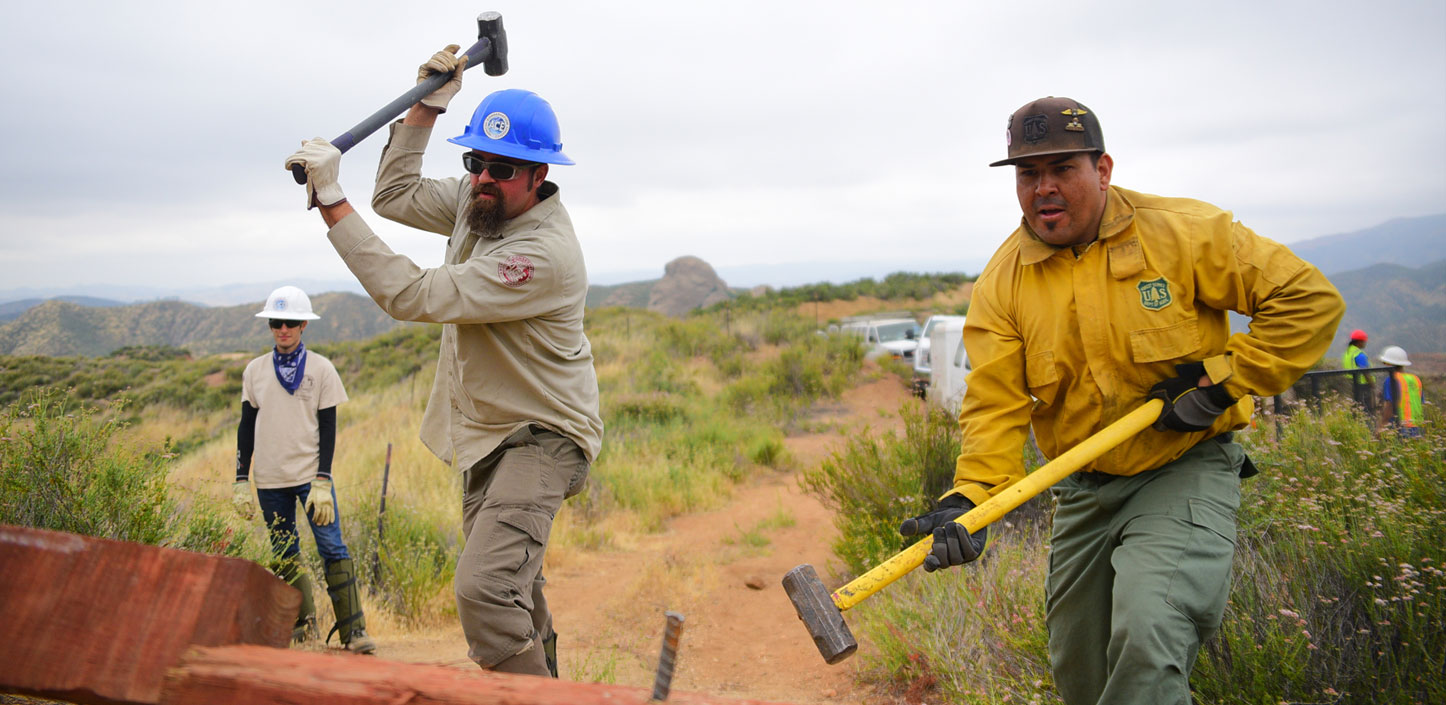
[290, 367]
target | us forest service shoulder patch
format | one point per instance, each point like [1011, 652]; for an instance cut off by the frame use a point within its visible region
[516, 270]
[1154, 294]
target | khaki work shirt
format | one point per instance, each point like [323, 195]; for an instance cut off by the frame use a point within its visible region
[513, 350]
[1071, 343]
[288, 436]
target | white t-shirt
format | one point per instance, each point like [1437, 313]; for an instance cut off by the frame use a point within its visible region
[288, 445]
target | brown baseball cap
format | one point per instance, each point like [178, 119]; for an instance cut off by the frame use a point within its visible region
[1052, 126]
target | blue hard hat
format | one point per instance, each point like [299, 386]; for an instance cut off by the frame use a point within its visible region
[515, 123]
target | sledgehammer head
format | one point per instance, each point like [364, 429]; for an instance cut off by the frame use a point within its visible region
[815, 607]
[489, 27]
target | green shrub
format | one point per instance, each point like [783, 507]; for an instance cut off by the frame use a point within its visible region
[1339, 590]
[414, 564]
[1338, 594]
[876, 481]
[63, 469]
[899, 285]
[649, 408]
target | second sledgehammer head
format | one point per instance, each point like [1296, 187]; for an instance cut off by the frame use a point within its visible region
[816, 609]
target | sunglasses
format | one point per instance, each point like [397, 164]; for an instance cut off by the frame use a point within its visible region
[500, 171]
[279, 322]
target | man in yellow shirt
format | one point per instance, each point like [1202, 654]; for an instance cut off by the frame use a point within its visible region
[1100, 300]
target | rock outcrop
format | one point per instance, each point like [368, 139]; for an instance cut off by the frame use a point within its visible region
[687, 283]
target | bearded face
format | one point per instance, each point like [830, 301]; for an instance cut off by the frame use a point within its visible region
[495, 202]
[485, 215]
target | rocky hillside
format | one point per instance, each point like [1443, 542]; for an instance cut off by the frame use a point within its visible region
[687, 283]
[62, 328]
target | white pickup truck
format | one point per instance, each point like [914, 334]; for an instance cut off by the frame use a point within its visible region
[892, 337]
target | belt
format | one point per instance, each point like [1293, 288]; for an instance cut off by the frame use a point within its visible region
[1092, 477]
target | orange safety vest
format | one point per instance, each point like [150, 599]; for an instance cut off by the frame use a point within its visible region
[1404, 388]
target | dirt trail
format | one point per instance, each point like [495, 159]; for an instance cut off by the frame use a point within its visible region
[741, 637]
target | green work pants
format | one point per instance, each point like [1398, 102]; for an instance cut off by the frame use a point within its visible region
[511, 497]
[1139, 573]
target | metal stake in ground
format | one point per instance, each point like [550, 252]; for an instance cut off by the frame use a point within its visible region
[822, 613]
[668, 659]
[381, 514]
[490, 51]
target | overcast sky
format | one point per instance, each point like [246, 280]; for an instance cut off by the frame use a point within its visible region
[146, 140]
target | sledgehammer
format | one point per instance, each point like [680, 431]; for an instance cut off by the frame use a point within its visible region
[490, 51]
[822, 613]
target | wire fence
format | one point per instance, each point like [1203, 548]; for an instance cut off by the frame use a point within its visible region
[1361, 387]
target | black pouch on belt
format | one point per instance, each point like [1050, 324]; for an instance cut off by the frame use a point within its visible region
[1247, 468]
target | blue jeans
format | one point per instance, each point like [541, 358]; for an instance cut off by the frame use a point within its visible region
[278, 508]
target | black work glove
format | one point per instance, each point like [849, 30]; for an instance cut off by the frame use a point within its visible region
[953, 544]
[1188, 406]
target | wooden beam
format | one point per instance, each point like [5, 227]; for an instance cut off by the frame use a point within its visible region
[244, 675]
[98, 621]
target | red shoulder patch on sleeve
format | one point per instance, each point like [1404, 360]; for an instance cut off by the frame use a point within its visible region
[516, 270]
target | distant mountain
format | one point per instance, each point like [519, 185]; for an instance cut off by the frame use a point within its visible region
[12, 310]
[1395, 305]
[687, 283]
[61, 328]
[220, 295]
[628, 295]
[1404, 241]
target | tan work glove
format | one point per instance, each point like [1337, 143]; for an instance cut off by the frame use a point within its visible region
[319, 503]
[321, 161]
[242, 499]
[444, 61]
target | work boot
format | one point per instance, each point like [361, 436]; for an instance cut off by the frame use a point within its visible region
[351, 624]
[305, 627]
[549, 650]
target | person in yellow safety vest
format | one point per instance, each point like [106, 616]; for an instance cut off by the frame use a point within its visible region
[1403, 392]
[1355, 359]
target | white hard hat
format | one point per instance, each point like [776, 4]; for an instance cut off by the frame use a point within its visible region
[289, 303]
[1394, 355]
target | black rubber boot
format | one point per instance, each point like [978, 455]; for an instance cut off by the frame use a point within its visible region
[351, 624]
[305, 627]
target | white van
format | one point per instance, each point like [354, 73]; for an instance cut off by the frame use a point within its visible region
[921, 356]
[949, 365]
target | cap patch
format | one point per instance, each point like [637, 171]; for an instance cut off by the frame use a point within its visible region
[1074, 125]
[515, 270]
[281, 304]
[1035, 128]
[496, 125]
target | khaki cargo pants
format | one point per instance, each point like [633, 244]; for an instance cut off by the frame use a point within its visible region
[511, 497]
[1139, 573]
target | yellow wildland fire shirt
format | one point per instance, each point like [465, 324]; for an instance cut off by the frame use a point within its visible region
[513, 349]
[1072, 339]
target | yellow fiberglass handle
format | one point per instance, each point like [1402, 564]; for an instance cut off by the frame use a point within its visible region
[1016, 494]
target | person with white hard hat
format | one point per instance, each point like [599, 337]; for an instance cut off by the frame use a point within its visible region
[515, 402]
[1401, 392]
[288, 433]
